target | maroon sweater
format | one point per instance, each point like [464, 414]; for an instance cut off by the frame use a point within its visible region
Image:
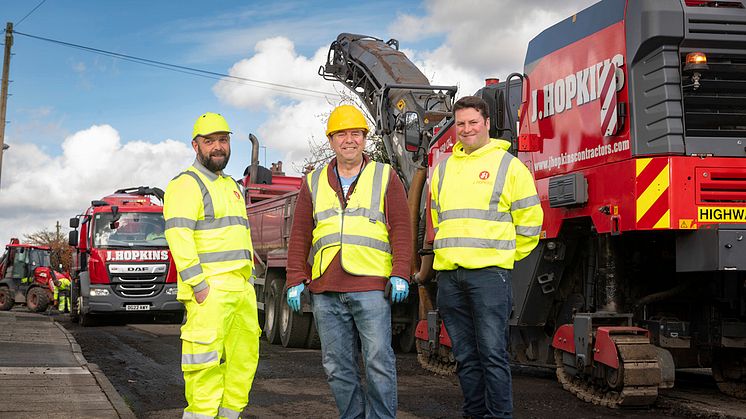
[335, 278]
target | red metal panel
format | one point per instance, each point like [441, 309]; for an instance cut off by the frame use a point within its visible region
[604, 349]
[97, 267]
[564, 338]
[702, 184]
[421, 331]
[609, 187]
[445, 340]
[563, 106]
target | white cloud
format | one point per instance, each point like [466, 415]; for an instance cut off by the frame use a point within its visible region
[293, 116]
[39, 189]
[274, 61]
[79, 67]
[484, 37]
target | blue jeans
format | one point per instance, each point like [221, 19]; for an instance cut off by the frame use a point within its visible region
[475, 305]
[340, 319]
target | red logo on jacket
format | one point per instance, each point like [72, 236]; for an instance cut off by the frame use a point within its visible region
[238, 196]
[484, 175]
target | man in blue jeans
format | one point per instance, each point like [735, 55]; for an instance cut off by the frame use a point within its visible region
[350, 241]
[486, 215]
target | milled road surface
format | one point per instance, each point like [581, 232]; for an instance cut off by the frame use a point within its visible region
[142, 361]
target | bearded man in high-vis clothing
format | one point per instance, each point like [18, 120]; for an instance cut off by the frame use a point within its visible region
[486, 215]
[350, 241]
[208, 233]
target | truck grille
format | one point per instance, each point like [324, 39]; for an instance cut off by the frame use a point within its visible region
[138, 280]
[718, 107]
[721, 185]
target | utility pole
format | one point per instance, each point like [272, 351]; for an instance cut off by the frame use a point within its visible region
[4, 89]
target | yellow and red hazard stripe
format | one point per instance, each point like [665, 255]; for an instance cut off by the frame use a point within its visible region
[652, 183]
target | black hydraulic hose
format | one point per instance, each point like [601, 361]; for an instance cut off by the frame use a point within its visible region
[663, 295]
[511, 127]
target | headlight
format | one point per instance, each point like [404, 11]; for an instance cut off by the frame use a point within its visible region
[171, 291]
[43, 274]
[99, 292]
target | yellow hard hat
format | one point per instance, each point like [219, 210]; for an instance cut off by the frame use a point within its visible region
[346, 117]
[210, 123]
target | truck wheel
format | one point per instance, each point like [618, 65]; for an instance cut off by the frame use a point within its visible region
[87, 320]
[272, 301]
[313, 341]
[294, 327]
[74, 304]
[6, 299]
[37, 300]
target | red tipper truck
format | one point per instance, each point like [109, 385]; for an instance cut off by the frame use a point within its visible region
[121, 261]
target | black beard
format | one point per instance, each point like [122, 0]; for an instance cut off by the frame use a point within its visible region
[211, 165]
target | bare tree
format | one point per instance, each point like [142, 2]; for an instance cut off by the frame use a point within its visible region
[320, 151]
[61, 251]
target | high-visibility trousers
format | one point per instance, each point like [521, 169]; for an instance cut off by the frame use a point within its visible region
[219, 353]
[63, 301]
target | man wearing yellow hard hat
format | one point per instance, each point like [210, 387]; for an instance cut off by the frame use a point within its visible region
[208, 233]
[350, 241]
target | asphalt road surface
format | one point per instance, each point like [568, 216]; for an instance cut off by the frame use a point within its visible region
[142, 361]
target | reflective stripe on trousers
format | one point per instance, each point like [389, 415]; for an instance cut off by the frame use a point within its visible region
[223, 328]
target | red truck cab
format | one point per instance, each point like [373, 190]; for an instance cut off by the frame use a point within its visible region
[121, 260]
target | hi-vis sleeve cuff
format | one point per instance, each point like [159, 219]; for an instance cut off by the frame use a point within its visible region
[194, 277]
[199, 287]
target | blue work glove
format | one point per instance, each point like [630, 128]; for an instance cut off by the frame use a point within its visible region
[294, 296]
[399, 289]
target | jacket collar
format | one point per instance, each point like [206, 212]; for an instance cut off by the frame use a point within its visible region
[458, 149]
[333, 164]
[205, 171]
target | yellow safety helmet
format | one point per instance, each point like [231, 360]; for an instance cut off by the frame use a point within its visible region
[210, 123]
[346, 117]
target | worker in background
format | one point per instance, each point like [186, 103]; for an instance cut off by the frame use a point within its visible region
[350, 242]
[62, 293]
[486, 215]
[208, 233]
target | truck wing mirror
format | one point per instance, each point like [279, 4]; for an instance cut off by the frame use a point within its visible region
[74, 222]
[115, 215]
[72, 238]
[412, 132]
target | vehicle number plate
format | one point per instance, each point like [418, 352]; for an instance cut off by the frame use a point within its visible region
[137, 307]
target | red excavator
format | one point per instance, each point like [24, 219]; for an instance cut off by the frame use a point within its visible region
[26, 276]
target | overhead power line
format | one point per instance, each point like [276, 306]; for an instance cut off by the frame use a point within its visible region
[29, 13]
[279, 87]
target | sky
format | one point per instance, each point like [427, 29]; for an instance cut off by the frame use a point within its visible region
[81, 124]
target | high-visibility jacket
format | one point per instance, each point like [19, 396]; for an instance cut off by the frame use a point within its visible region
[484, 208]
[359, 231]
[64, 285]
[207, 231]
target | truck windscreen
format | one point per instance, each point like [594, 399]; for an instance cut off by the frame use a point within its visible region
[131, 229]
[38, 257]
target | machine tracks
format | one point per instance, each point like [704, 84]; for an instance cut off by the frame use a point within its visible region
[729, 372]
[434, 363]
[635, 383]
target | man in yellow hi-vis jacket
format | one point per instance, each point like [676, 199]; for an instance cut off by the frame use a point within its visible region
[486, 215]
[208, 233]
[61, 292]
